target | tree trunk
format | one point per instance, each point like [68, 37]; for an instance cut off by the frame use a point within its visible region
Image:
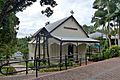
[118, 30]
[108, 34]
[109, 40]
[115, 33]
[119, 33]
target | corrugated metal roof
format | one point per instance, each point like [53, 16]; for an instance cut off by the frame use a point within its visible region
[99, 34]
[96, 35]
[37, 32]
[52, 26]
[77, 39]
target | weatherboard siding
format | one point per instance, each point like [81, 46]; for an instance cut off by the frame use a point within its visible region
[75, 30]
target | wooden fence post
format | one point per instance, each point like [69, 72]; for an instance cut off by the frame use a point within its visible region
[66, 62]
[36, 68]
[26, 67]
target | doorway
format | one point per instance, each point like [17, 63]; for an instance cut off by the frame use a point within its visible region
[70, 51]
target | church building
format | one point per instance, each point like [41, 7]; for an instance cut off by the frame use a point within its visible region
[63, 37]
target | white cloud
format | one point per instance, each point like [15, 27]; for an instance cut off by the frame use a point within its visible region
[31, 19]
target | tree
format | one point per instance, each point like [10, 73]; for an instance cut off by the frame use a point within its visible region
[8, 36]
[9, 21]
[22, 46]
[14, 6]
[105, 11]
[89, 29]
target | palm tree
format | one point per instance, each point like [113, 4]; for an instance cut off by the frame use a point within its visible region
[105, 11]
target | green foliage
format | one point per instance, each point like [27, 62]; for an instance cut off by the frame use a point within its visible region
[69, 62]
[96, 57]
[8, 36]
[106, 54]
[22, 46]
[6, 50]
[13, 6]
[8, 69]
[9, 22]
[7, 29]
[100, 13]
[89, 29]
[31, 64]
[107, 11]
[110, 52]
[113, 51]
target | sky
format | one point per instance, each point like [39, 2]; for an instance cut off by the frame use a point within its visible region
[32, 20]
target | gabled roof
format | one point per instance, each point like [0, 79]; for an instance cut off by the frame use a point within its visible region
[41, 29]
[37, 32]
[52, 26]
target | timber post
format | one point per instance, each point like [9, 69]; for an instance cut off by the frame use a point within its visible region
[60, 55]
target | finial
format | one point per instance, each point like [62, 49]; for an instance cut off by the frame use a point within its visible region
[47, 23]
[71, 12]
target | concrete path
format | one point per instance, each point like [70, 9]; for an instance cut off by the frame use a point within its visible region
[103, 70]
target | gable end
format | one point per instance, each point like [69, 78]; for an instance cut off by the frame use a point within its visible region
[80, 26]
[60, 24]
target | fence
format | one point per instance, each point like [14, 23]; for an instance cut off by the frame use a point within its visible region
[62, 61]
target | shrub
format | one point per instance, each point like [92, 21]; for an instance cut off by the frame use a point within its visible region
[30, 64]
[115, 51]
[96, 57]
[111, 52]
[8, 69]
[70, 62]
[106, 54]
